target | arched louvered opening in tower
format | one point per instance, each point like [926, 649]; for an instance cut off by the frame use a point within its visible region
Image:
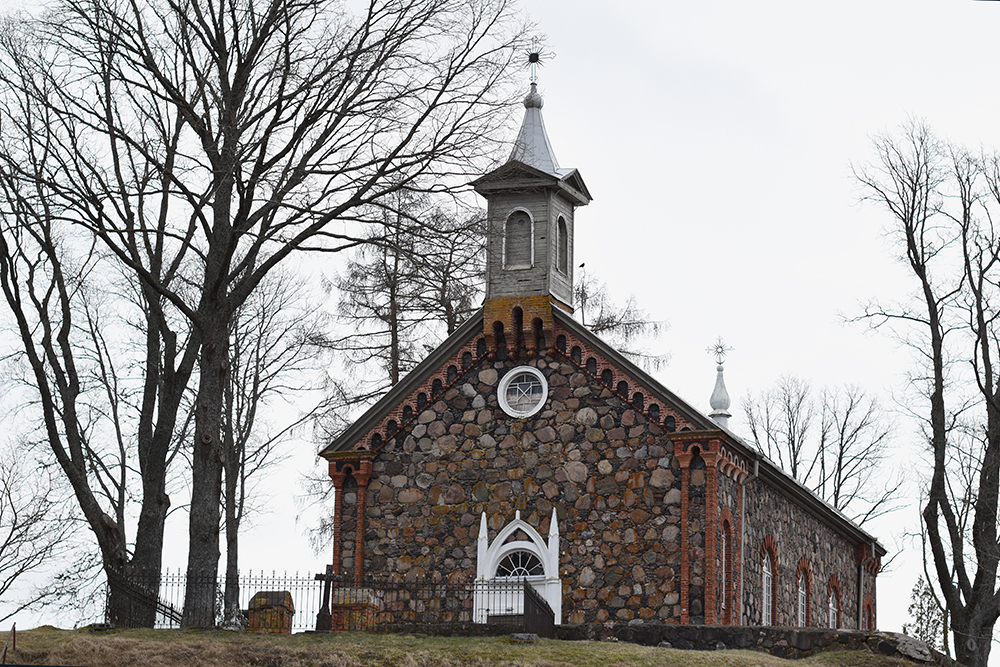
[500, 341]
[517, 321]
[538, 335]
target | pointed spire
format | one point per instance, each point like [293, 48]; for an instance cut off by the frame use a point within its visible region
[720, 397]
[532, 146]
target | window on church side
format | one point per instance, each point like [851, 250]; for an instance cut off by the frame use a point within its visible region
[520, 564]
[802, 600]
[766, 592]
[517, 241]
[833, 609]
[722, 553]
[562, 249]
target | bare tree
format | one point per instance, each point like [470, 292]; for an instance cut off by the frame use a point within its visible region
[412, 286]
[941, 202]
[275, 355]
[258, 129]
[836, 444]
[112, 437]
[625, 326]
[34, 532]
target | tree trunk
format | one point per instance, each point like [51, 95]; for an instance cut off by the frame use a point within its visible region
[206, 475]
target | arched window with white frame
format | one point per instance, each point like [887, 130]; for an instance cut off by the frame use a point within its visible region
[518, 241]
[766, 591]
[801, 616]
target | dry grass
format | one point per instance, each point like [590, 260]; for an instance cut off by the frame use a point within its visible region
[176, 648]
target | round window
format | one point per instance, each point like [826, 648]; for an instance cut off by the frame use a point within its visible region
[522, 392]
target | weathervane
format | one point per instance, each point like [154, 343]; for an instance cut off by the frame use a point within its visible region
[719, 349]
[536, 57]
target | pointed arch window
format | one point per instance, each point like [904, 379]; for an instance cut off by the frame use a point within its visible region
[802, 600]
[518, 239]
[766, 584]
[562, 246]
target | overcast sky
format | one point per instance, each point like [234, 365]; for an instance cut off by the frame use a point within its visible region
[716, 138]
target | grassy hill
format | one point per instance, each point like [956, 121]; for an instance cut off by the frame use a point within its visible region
[176, 648]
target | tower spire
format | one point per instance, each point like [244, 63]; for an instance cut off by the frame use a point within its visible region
[720, 397]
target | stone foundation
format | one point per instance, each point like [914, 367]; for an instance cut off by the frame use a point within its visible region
[780, 642]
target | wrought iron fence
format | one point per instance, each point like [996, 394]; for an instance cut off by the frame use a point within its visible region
[511, 605]
[131, 599]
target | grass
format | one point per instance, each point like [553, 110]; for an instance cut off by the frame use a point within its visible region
[177, 648]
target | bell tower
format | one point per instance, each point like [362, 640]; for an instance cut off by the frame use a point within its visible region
[531, 202]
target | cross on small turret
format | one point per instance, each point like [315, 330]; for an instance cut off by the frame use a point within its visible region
[719, 349]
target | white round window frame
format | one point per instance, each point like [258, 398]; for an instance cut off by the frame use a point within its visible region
[505, 382]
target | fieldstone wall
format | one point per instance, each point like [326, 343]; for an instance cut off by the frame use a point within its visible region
[832, 562]
[605, 467]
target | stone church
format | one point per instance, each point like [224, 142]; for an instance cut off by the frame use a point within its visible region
[524, 446]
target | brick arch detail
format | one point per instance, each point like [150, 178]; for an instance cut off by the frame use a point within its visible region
[803, 569]
[869, 613]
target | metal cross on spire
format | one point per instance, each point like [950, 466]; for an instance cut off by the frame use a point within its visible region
[536, 57]
[719, 349]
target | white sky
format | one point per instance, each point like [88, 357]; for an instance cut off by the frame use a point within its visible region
[716, 138]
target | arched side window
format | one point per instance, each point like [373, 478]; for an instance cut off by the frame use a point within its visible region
[768, 581]
[517, 241]
[803, 616]
[727, 566]
[562, 246]
[766, 586]
[833, 603]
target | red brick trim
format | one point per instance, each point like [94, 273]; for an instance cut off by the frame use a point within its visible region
[803, 570]
[356, 464]
[711, 456]
[869, 613]
[684, 459]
